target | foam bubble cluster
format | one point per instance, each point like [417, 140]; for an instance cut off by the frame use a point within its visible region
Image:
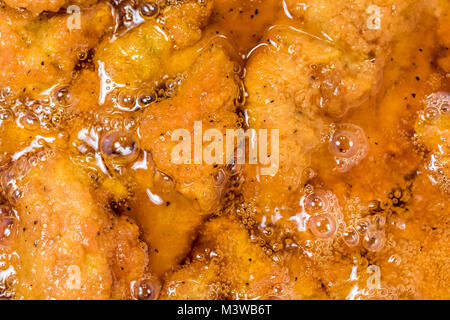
[349, 146]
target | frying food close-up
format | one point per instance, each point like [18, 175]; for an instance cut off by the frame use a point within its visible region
[224, 149]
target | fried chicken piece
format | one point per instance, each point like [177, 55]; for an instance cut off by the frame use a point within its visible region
[170, 222]
[290, 81]
[206, 96]
[226, 264]
[183, 21]
[46, 44]
[359, 25]
[70, 246]
[300, 76]
[153, 49]
[185, 193]
[38, 6]
[279, 100]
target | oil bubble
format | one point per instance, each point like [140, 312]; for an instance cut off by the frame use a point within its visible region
[316, 202]
[28, 121]
[323, 225]
[374, 240]
[363, 226]
[439, 101]
[62, 95]
[120, 147]
[126, 101]
[149, 10]
[146, 97]
[146, 289]
[432, 113]
[351, 237]
[349, 146]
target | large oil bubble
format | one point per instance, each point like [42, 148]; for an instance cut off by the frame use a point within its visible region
[120, 147]
[323, 225]
[349, 146]
[351, 237]
[321, 213]
[374, 240]
[148, 10]
[146, 289]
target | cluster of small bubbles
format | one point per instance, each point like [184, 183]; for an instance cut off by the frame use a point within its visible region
[9, 184]
[363, 225]
[5, 114]
[135, 99]
[119, 147]
[324, 212]
[207, 255]
[58, 117]
[21, 167]
[349, 146]
[323, 225]
[85, 59]
[168, 88]
[399, 197]
[437, 104]
[372, 232]
[7, 281]
[130, 14]
[146, 289]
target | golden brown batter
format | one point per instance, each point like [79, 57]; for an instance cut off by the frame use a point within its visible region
[92, 205]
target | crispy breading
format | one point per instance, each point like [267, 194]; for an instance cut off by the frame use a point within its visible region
[25, 59]
[70, 246]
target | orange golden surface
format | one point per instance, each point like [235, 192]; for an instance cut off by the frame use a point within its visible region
[93, 207]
